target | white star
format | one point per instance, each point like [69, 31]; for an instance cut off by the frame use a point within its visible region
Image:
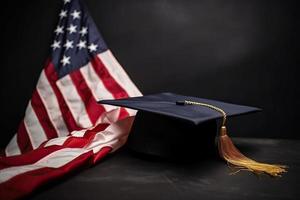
[81, 44]
[55, 45]
[83, 31]
[68, 44]
[75, 14]
[72, 29]
[59, 30]
[67, 1]
[92, 47]
[65, 60]
[63, 14]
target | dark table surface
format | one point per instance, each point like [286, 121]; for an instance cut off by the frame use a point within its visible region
[123, 175]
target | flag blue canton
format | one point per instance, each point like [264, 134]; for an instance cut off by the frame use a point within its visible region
[76, 38]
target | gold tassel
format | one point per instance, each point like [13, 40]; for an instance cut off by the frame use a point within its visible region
[234, 157]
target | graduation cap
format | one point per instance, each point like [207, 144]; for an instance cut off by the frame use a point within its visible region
[176, 126]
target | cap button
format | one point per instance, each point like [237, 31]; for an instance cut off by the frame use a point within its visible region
[182, 103]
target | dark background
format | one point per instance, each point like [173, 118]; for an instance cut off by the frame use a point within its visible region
[242, 52]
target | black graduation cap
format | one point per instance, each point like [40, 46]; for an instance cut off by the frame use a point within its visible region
[175, 126]
[165, 127]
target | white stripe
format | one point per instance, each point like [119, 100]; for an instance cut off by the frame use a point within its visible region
[61, 140]
[131, 112]
[96, 85]
[115, 135]
[51, 104]
[79, 133]
[74, 101]
[56, 141]
[110, 117]
[12, 148]
[34, 129]
[118, 73]
[54, 160]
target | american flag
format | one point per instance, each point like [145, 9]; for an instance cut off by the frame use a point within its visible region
[64, 128]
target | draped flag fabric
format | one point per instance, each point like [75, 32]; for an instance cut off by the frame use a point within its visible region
[64, 128]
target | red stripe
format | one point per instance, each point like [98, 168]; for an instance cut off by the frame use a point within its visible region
[81, 142]
[19, 186]
[23, 139]
[109, 82]
[42, 115]
[52, 77]
[37, 154]
[93, 109]
[101, 154]
[111, 85]
[27, 158]
[123, 113]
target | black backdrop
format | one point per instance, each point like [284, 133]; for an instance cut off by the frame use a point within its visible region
[237, 51]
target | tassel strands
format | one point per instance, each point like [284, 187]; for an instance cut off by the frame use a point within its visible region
[232, 155]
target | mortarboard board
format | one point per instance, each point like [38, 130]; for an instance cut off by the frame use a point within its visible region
[176, 126]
